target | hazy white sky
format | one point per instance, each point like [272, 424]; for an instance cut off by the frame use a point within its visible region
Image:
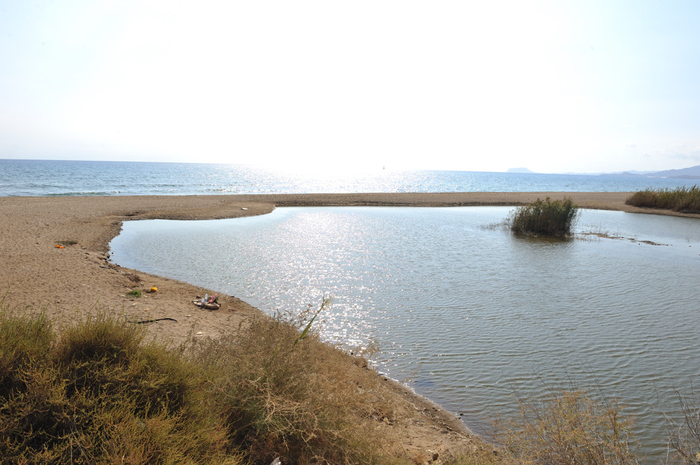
[555, 86]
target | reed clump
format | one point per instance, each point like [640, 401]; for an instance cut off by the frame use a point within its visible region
[544, 218]
[680, 199]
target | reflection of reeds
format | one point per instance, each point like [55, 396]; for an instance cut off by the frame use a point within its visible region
[544, 218]
[680, 199]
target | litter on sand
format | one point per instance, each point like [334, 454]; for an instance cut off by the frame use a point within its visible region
[210, 303]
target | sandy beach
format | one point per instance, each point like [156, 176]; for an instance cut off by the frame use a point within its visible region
[77, 278]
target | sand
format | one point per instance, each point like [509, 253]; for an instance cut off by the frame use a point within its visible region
[68, 282]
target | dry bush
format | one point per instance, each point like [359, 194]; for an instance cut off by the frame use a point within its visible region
[298, 398]
[569, 428]
[684, 437]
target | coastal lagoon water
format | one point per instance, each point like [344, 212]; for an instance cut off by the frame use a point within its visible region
[463, 311]
[68, 178]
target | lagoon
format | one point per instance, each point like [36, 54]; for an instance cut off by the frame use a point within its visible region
[463, 311]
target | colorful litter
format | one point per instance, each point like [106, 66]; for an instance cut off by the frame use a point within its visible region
[210, 303]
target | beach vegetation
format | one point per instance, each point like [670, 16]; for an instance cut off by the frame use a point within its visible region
[101, 392]
[684, 434]
[681, 199]
[544, 218]
[568, 428]
[135, 293]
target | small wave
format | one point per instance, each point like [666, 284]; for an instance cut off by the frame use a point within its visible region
[80, 194]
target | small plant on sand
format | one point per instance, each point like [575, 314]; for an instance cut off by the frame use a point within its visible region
[135, 293]
[681, 199]
[544, 218]
[569, 428]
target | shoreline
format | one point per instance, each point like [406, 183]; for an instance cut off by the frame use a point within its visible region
[67, 283]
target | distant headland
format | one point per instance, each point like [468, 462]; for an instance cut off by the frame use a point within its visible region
[519, 170]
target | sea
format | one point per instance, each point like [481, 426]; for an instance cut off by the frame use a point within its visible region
[66, 178]
[460, 310]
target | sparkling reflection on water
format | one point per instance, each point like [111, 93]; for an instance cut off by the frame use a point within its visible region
[462, 310]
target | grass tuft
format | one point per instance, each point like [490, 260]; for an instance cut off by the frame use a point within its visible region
[544, 218]
[680, 199]
[101, 394]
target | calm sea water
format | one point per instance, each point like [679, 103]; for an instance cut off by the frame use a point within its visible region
[54, 178]
[463, 311]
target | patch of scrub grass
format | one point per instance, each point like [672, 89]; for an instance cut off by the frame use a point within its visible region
[569, 428]
[544, 218]
[135, 293]
[103, 393]
[284, 395]
[680, 199]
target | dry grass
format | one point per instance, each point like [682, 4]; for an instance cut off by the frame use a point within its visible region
[569, 428]
[102, 393]
[684, 436]
[300, 399]
[681, 199]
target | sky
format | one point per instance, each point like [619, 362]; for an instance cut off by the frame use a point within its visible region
[560, 86]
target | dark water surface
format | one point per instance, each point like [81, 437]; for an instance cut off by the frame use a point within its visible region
[463, 311]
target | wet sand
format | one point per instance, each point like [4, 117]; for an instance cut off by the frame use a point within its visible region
[78, 278]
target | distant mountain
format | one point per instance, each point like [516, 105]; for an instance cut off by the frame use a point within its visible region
[688, 173]
[519, 170]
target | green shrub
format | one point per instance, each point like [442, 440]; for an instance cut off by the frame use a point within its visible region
[544, 218]
[680, 199]
[135, 293]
